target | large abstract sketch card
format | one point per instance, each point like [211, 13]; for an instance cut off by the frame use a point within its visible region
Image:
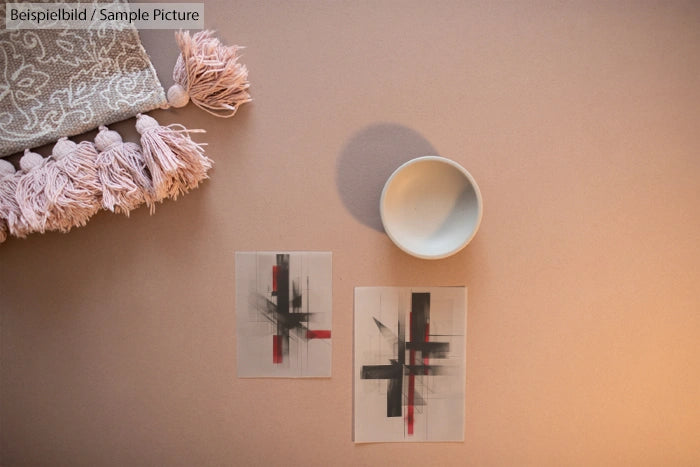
[409, 364]
[283, 314]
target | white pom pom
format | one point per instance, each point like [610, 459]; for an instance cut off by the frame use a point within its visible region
[30, 160]
[6, 168]
[177, 96]
[144, 122]
[62, 148]
[106, 138]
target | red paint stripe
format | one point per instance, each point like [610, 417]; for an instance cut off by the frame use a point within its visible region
[411, 380]
[276, 349]
[318, 334]
[425, 359]
[275, 270]
[411, 396]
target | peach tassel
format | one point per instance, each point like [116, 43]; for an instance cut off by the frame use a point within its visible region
[208, 73]
[122, 172]
[176, 163]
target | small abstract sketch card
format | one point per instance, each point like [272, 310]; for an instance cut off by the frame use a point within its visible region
[409, 370]
[283, 314]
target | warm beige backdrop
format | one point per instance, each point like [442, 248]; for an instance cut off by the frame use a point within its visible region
[578, 119]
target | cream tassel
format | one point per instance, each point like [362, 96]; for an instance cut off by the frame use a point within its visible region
[16, 222]
[208, 73]
[122, 173]
[7, 196]
[176, 163]
[78, 199]
[34, 193]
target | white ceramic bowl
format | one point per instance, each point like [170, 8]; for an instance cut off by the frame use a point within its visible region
[431, 207]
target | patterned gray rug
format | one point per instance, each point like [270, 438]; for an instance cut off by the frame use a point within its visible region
[56, 83]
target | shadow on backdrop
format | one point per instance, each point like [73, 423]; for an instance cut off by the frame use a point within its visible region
[368, 159]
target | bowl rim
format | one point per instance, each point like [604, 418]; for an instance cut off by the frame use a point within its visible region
[470, 179]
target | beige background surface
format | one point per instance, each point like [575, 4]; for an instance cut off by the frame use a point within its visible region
[578, 119]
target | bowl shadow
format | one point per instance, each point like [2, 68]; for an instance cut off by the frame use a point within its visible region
[368, 159]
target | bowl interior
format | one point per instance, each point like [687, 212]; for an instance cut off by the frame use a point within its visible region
[430, 207]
